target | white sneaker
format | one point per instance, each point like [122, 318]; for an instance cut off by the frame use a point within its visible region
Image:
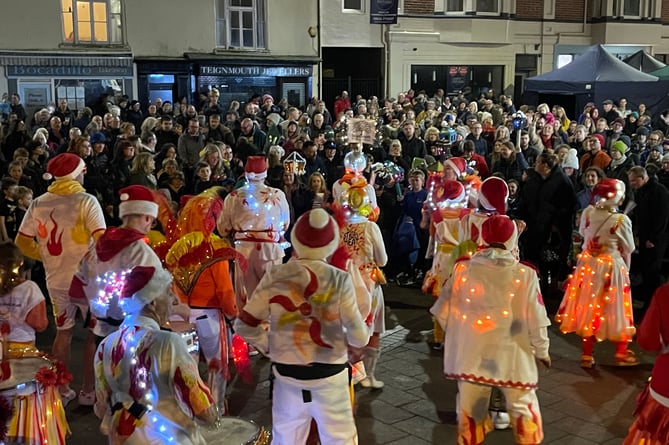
[371, 382]
[501, 421]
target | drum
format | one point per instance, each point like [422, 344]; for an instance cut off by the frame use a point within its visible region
[236, 431]
[22, 379]
[188, 333]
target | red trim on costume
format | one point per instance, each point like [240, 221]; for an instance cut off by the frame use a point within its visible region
[77, 288]
[491, 382]
[249, 319]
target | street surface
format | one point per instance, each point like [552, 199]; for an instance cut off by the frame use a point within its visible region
[417, 405]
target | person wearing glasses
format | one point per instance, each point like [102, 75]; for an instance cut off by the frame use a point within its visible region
[655, 139]
[594, 155]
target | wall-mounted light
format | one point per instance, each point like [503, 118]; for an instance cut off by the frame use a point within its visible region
[489, 77]
[415, 77]
[312, 31]
[434, 76]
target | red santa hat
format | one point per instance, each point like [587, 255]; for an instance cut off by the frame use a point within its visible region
[608, 193]
[499, 231]
[64, 166]
[459, 165]
[315, 235]
[493, 194]
[454, 192]
[137, 200]
[255, 168]
[142, 285]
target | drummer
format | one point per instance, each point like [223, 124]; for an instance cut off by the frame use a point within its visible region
[148, 388]
[22, 303]
[117, 249]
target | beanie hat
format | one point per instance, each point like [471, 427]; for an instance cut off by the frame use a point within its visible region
[64, 166]
[459, 165]
[571, 161]
[315, 235]
[608, 192]
[625, 139]
[619, 146]
[267, 97]
[635, 114]
[642, 131]
[97, 138]
[619, 120]
[142, 285]
[493, 195]
[274, 117]
[665, 158]
[599, 137]
[499, 231]
[255, 168]
[137, 200]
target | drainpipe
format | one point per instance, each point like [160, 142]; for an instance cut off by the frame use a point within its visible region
[385, 39]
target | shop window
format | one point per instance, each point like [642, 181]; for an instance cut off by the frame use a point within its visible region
[240, 24]
[352, 6]
[92, 21]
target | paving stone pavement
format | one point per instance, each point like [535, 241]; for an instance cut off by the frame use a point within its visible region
[417, 405]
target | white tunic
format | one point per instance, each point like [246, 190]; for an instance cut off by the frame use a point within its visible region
[63, 226]
[495, 321]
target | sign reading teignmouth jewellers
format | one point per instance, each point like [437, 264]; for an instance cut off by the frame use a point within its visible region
[256, 70]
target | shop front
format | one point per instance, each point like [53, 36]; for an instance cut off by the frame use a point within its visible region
[43, 80]
[240, 81]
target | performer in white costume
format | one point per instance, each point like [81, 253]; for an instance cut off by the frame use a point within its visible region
[496, 324]
[313, 317]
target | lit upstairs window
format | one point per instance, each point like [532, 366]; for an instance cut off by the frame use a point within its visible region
[95, 22]
[240, 24]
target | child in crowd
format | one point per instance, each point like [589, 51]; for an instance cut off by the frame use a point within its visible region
[202, 177]
[7, 205]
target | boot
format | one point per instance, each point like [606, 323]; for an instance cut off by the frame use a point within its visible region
[370, 358]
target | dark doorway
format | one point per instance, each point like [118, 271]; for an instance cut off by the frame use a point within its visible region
[356, 70]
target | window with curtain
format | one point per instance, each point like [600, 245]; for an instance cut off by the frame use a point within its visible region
[92, 21]
[240, 24]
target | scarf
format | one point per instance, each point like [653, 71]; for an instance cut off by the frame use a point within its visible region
[64, 187]
[617, 162]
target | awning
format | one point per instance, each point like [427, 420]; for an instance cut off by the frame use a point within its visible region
[8, 58]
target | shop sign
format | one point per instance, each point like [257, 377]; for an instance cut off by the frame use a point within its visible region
[255, 70]
[68, 71]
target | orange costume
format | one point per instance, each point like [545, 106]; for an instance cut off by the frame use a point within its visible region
[198, 259]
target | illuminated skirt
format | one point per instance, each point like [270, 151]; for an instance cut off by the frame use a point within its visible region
[597, 300]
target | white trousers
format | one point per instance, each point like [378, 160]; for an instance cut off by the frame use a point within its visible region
[329, 405]
[474, 422]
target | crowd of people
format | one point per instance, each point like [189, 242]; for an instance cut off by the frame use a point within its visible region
[426, 194]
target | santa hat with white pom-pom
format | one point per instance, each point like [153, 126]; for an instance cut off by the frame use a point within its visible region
[315, 235]
[64, 166]
[137, 200]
